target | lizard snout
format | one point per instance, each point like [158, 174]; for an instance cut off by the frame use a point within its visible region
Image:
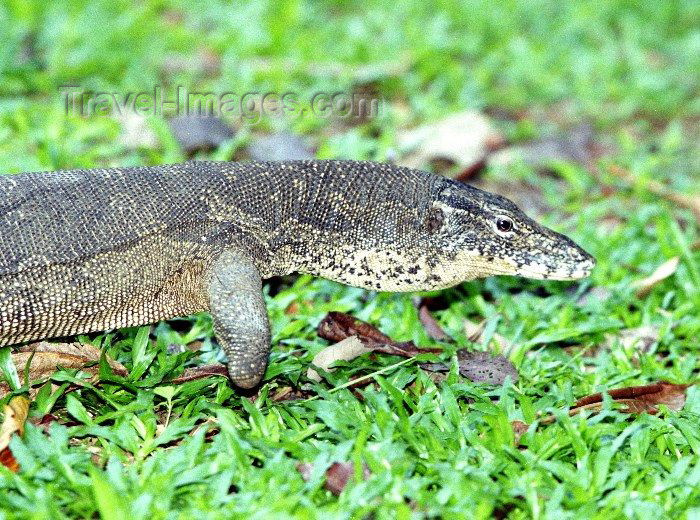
[558, 258]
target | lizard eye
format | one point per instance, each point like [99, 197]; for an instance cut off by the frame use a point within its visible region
[504, 224]
[434, 220]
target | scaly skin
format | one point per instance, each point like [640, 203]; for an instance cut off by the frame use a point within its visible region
[92, 250]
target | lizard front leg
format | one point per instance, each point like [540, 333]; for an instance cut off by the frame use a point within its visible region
[240, 316]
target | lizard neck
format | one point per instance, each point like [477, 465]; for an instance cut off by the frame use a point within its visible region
[353, 222]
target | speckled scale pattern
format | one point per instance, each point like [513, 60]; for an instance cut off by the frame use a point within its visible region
[91, 250]
[87, 250]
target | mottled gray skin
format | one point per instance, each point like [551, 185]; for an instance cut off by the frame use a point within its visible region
[92, 250]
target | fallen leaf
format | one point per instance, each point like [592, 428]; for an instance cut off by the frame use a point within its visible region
[87, 352]
[337, 475]
[344, 350]
[463, 139]
[8, 460]
[287, 393]
[637, 399]
[519, 429]
[199, 132]
[15, 415]
[282, 146]
[337, 326]
[45, 421]
[476, 366]
[432, 327]
[479, 367]
[482, 367]
[200, 372]
[292, 308]
[540, 154]
[47, 357]
[645, 285]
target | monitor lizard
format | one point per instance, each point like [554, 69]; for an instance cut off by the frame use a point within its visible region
[93, 250]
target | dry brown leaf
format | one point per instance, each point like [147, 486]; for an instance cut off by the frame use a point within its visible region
[637, 399]
[8, 460]
[540, 154]
[476, 366]
[44, 422]
[645, 285]
[191, 374]
[344, 350]
[47, 357]
[15, 416]
[337, 475]
[519, 429]
[288, 393]
[480, 367]
[431, 326]
[337, 326]
[463, 139]
[87, 352]
[292, 309]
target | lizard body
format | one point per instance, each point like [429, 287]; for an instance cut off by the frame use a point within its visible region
[92, 250]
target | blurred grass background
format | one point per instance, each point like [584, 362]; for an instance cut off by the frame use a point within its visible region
[535, 69]
[625, 66]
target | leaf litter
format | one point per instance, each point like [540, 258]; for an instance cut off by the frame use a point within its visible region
[337, 475]
[665, 270]
[630, 400]
[43, 359]
[462, 140]
[15, 413]
[477, 366]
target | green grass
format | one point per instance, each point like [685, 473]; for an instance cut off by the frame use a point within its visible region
[433, 449]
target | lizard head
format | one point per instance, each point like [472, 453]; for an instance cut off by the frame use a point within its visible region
[398, 229]
[473, 233]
